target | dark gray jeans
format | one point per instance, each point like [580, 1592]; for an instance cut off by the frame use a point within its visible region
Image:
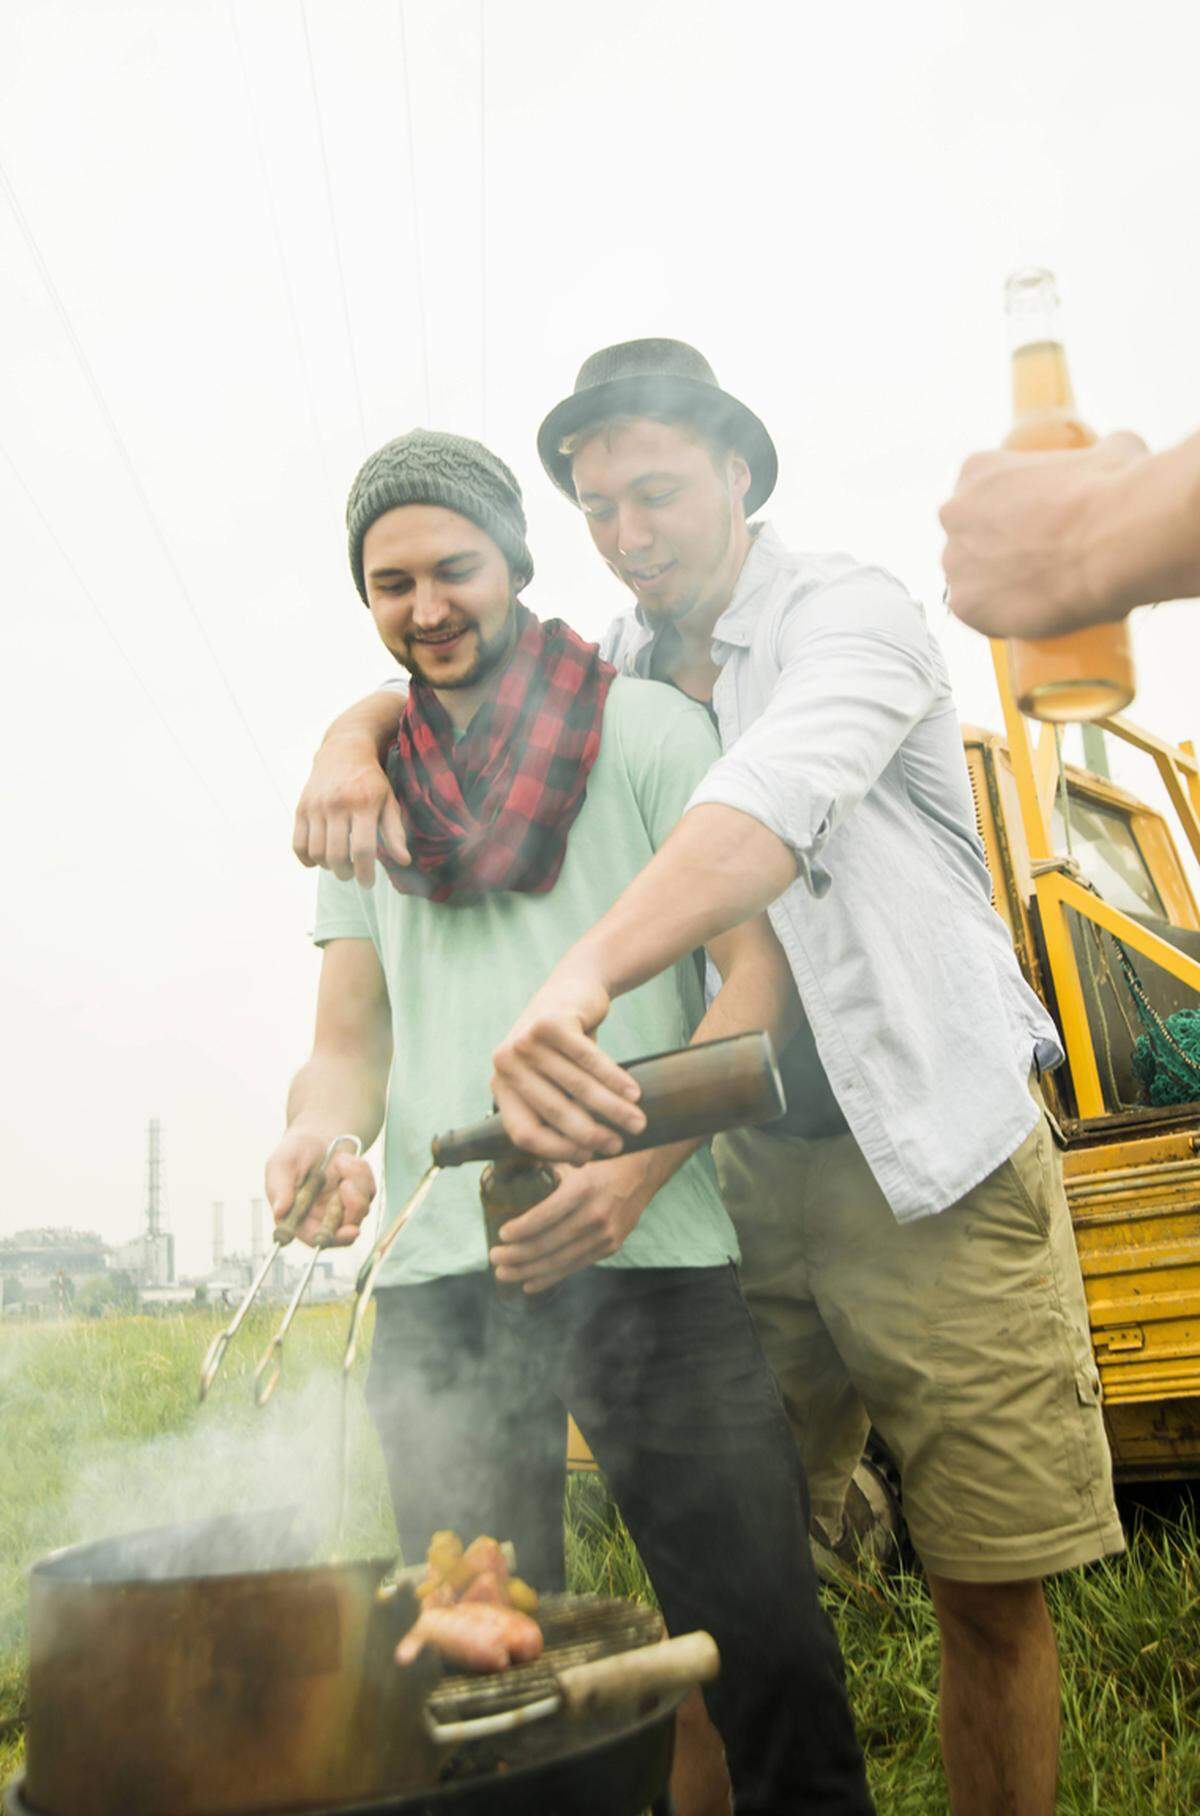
[665, 1377]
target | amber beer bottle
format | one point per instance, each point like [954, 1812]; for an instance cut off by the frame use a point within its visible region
[1089, 674]
[506, 1189]
[688, 1094]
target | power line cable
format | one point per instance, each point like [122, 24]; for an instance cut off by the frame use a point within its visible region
[134, 476]
[126, 658]
[337, 243]
[281, 254]
[416, 214]
[483, 224]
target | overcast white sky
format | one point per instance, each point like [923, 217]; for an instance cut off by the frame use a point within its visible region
[826, 200]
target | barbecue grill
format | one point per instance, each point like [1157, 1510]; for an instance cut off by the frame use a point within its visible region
[576, 1629]
[168, 1679]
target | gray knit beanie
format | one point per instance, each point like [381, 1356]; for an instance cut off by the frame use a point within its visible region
[427, 467]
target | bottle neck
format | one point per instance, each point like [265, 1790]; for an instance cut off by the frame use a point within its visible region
[1040, 379]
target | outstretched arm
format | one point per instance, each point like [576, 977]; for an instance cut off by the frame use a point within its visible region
[340, 1090]
[347, 803]
[1042, 544]
[551, 1080]
[596, 1206]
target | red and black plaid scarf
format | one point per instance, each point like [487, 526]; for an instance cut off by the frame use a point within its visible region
[523, 765]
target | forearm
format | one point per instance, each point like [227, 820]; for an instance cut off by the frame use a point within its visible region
[717, 868]
[372, 720]
[756, 993]
[1144, 542]
[757, 990]
[337, 1094]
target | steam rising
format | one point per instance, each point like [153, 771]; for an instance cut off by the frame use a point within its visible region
[235, 1462]
[111, 1442]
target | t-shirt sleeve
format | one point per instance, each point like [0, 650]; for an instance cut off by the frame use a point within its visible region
[670, 743]
[342, 914]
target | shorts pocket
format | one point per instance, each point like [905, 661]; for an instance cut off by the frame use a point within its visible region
[1031, 1168]
[1009, 1454]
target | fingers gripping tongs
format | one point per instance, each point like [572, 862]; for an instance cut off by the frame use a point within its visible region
[310, 1187]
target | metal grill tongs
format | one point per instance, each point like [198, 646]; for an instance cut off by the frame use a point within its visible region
[270, 1367]
[364, 1286]
[268, 1371]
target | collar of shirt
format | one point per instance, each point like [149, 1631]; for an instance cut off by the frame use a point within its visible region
[735, 627]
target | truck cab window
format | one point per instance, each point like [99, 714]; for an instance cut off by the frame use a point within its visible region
[1109, 855]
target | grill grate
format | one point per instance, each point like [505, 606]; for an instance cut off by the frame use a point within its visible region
[576, 1629]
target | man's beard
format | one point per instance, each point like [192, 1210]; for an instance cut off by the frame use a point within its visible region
[491, 653]
[699, 593]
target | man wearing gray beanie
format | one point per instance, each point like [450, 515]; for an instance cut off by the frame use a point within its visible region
[532, 783]
[436, 469]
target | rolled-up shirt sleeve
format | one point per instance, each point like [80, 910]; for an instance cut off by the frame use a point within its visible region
[856, 671]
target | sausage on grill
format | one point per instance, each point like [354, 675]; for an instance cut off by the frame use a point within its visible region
[475, 1635]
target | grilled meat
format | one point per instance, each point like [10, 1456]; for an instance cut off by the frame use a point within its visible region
[476, 1636]
[473, 1611]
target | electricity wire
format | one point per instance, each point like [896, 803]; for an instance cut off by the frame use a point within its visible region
[416, 215]
[85, 366]
[126, 658]
[333, 227]
[483, 235]
[281, 254]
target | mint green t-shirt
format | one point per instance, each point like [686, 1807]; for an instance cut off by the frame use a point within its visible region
[458, 976]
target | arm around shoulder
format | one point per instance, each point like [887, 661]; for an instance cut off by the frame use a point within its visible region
[348, 805]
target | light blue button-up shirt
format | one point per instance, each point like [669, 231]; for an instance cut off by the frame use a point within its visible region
[841, 736]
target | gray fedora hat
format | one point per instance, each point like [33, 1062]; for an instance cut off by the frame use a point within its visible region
[657, 377]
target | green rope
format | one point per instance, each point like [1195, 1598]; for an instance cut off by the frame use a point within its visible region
[1170, 1073]
[1166, 1058]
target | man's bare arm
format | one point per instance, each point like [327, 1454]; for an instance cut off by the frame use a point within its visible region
[340, 1090]
[348, 804]
[1042, 544]
[597, 1205]
[717, 868]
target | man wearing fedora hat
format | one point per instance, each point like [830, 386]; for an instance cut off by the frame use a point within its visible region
[906, 1246]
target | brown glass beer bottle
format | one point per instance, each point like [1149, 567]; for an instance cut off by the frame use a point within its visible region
[506, 1188]
[1089, 674]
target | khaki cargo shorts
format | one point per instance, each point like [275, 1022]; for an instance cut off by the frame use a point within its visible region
[962, 1337]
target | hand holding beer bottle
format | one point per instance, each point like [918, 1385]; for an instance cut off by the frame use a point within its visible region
[1087, 674]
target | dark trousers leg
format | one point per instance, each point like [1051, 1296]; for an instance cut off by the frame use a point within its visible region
[669, 1385]
[472, 1433]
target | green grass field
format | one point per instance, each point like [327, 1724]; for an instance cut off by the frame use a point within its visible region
[102, 1433]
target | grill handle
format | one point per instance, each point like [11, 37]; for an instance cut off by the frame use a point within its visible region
[626, 1677]
[622, 1681]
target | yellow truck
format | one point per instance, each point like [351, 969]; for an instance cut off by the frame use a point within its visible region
[1079, 865]
[1074, 861]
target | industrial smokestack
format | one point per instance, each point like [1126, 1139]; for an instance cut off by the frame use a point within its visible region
[153, 1178]
[218, 1234]
[258, 1244]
